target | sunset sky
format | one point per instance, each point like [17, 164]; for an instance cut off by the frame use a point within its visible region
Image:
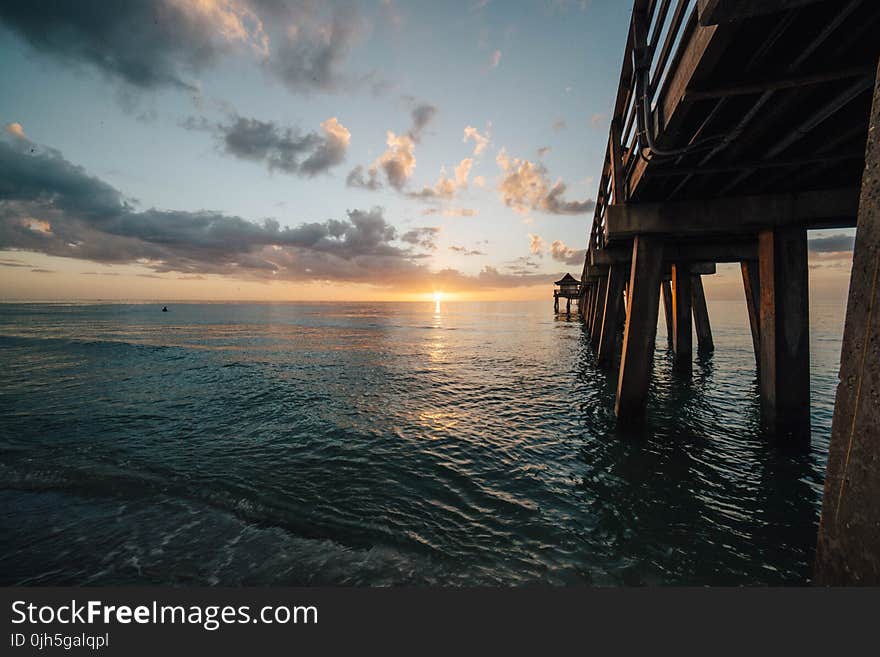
[261, 149]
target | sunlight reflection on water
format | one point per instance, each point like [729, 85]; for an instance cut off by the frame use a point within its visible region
[462, 443]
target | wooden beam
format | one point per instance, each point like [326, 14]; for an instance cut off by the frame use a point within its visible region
[614, 314]
[705, 344]
[713, 12]
[729, 249]
[848, 550]
[744, 215]
[775, 84]
[754, 165]
[643, 298]
[752, 289]
[785, 332]
[682, 321]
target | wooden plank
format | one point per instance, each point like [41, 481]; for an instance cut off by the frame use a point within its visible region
[703, 327]
[643, 298]
[713, 12]
[682, 321]
[752, 289]
[785, 333]
[848, 551]
[734, 215]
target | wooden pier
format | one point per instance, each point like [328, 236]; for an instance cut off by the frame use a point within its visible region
[739, 125]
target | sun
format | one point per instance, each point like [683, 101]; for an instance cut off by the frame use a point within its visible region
[438, 296]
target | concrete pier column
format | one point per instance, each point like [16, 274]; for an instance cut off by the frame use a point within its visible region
[848, 550]
[785, 332]
[667, 309]
[752, 289]
[705, 344]
[643, 301]
[599, 313]
[614, 314]
[682, 320]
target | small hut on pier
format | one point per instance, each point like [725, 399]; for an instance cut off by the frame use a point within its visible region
[567, 287]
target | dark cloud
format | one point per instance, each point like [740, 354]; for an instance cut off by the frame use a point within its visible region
[421, 117]
[832, 244]
[356, 178]
[49, 205]
[280, 148]
[149, 44]
[145, 43]
[311, 53]
[465, 251]
[424, 237]
[523, 265]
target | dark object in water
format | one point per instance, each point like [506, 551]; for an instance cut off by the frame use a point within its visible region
[164, 309]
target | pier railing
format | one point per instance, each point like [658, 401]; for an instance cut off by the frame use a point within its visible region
[657, 30]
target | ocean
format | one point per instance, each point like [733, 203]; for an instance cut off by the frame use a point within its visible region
[460, 444]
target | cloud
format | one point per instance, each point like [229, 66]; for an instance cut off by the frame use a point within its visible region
[356, 178]
[422, 114]
[462, 171]
[494, 59]
[461, 250]
[399, 160]
[280, 148]
[452, 212]
[443, 189]
[144, 44]
[543, 150]
[425, 237]
[562, 253]
[85, 218]
[536, 245]
[479, 181]
[525, 187]
[460, 212]
[523, 265]
[559, 125]
[480, 141]
[150, 44]
[312, 48]
[839, 243]
[15, 130]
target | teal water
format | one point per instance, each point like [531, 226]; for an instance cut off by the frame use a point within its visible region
[387, 444]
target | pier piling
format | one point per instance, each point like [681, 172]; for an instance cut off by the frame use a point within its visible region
[682, 324]
[848, 550]
[641, 328]
[785, 332]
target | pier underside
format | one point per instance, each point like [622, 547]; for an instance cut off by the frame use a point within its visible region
[739, 126]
